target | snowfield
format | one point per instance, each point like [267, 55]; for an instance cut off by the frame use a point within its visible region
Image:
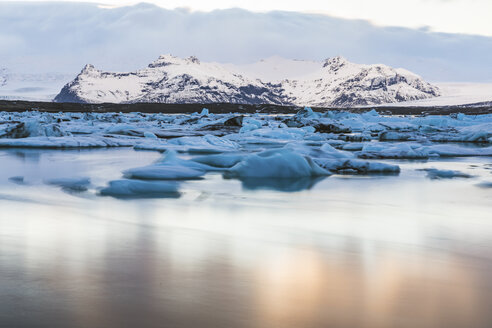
[262, 148]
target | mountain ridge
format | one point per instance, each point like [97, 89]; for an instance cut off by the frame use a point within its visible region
[170, 79]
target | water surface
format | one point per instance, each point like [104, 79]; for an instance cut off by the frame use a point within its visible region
[378, 251]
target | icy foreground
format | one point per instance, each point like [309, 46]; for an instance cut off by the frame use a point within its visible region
[285, 152]
[169, 79]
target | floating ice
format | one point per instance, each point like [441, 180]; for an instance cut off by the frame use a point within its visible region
[137, 189]
[280, 163]
[355, 166]
[163, 172]
[170, 167]
[385, 150]
[205, 144]
[150, 135]
[457, 151]
[32, 128]
[220, 161]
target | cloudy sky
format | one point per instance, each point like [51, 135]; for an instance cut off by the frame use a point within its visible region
[453, 16]
[436, 39]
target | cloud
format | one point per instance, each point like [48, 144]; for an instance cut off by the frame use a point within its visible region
[41, 37]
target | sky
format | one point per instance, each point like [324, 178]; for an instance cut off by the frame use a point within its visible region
[451, 16]
[41, 37]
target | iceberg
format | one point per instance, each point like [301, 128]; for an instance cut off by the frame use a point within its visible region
[278, 163]
[170, 167]
[140, 189]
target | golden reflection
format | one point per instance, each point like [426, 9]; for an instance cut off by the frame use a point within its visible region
[306, 289]
[290, 285]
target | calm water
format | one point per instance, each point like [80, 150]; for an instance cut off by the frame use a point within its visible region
[381, 251]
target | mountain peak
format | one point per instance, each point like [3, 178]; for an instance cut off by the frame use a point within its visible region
[335, 62]
[193, 59]
[168, 59]
[88, 68]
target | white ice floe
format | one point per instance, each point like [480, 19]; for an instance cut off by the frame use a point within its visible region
[221, 160]
[138, 188]
[170, 167]
[207, 144]
[395, 151]
[355, 166]
[163, 172]
[444, 150]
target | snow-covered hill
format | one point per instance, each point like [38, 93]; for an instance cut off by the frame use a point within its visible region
[169, 79]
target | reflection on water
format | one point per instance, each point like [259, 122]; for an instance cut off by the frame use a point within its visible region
[381, 251]
[284, 185]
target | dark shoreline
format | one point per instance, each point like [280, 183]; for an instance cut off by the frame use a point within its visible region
[221, 108]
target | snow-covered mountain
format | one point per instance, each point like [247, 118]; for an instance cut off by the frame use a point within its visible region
[342, 83]
[169, 79]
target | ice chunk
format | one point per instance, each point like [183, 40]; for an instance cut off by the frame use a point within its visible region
[456, 151]
[400, 150]
[330, 151]
[205, 144]
[221, 160]
[307, 112]
[150, 135]
[353, 146]
[355, 166]
[125, 129]
[32, 128]
[279, 163]
[171, 158]
[170, 167]
[163, 172]
[137, 189]
[394, 136]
